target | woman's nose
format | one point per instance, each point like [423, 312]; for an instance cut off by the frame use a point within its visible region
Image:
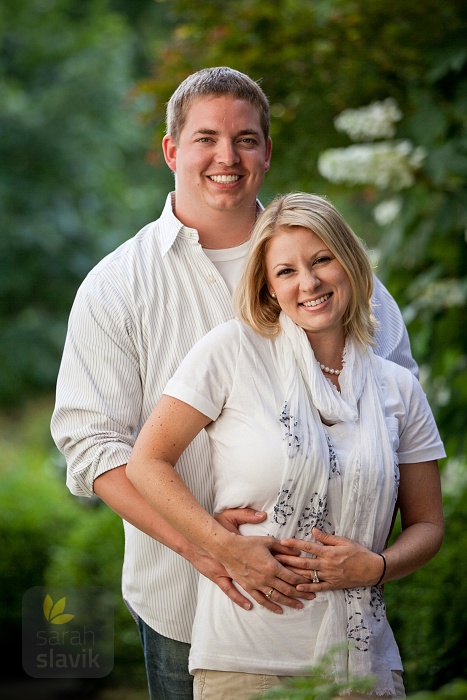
[309, 280]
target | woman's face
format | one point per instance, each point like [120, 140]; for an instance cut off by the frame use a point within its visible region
[310, 284]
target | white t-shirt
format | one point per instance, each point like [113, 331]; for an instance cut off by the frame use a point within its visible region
[230, 377]
[229, 262]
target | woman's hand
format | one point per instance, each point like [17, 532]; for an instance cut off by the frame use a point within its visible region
[343, 563]
[338, 562]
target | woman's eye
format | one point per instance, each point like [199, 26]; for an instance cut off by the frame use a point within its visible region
[323, 258]
[284, 271]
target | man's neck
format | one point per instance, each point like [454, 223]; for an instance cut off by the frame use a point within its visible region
[222, 235]
[222, 229]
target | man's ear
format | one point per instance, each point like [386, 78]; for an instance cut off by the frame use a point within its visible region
[170, 152]
[268, 154]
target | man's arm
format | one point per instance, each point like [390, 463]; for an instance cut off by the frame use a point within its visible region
[392, 339]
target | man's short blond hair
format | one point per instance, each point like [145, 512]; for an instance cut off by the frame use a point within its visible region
[214, 82]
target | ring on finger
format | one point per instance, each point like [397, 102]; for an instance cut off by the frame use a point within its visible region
[269, 594]
[315, 576]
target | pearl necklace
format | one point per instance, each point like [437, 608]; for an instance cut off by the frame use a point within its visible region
[329, 370]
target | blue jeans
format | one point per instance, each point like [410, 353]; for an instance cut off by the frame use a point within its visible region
[166, 665]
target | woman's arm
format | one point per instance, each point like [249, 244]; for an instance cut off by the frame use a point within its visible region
[342, 563]
[114, 488]
[247, 560]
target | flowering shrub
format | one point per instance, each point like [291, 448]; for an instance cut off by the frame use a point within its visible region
[376, 121]
[386, 165]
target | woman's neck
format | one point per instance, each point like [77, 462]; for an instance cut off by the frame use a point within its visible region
[328, 350]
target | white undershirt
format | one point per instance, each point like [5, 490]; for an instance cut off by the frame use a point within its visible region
[229, 262]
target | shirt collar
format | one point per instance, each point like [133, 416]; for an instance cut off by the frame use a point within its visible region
[172, 226]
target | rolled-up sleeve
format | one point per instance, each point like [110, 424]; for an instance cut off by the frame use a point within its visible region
[99, 395]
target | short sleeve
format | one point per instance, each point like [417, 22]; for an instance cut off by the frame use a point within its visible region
[205, 378]
[419, 438]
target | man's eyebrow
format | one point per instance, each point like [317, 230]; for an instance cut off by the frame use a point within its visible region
[214, 132]
[207, 132]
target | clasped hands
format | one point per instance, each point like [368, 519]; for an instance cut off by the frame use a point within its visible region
[280, 573]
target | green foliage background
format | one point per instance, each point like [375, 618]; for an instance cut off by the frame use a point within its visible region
[83, 89]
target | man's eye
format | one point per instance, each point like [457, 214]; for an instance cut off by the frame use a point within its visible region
[248, 141]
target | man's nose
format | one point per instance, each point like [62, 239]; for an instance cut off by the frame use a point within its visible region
[227, 153]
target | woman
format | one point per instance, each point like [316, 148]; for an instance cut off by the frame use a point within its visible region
[309, 425]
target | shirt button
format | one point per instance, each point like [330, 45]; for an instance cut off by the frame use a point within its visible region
[212, 279]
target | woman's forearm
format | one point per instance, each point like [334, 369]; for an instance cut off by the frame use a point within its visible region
[165, 491]
[413, 548]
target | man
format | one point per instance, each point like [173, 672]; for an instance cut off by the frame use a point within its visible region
[136, 316]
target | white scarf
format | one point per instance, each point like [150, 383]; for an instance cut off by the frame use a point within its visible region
[312, 479]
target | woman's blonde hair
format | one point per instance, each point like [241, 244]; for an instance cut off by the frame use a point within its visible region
[253, 303]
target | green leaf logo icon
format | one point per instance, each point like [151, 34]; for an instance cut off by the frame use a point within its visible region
[53, 612]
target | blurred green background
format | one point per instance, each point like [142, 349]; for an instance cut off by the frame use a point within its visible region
[83, 91]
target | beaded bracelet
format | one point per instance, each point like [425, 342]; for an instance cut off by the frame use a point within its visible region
[384, 569]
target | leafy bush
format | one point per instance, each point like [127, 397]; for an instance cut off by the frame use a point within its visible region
[427, 610]
[75, 182]
[91, 554]
[49, 537]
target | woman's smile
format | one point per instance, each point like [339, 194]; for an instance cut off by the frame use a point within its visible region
[309, 283]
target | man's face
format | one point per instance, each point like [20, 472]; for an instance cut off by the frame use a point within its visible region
[221, 157]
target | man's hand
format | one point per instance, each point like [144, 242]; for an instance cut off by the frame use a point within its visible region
[232, 518]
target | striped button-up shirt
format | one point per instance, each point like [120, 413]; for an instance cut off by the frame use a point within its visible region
[135, 317]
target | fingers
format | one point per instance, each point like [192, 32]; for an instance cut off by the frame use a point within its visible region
[273, 600]
[313, 548]
[232, 518]
[226, 585]
[280, 548]
[307, 569]
[267, 603]
[326, 538]
[322, 538]
[301, 565]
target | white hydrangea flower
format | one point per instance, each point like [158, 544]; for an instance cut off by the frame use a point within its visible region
[375, 121]
[385, 165]
[386, 211]
[444, 294]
